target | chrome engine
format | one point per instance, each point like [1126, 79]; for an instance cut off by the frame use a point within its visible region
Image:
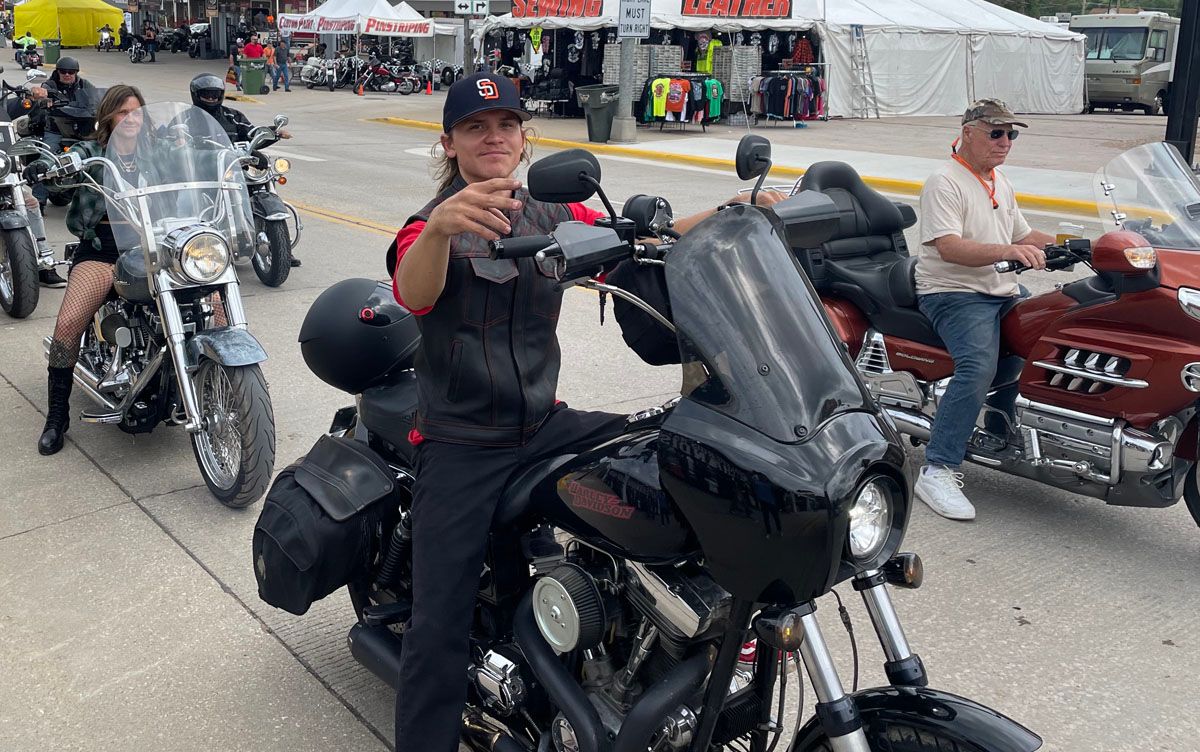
[1087, 447]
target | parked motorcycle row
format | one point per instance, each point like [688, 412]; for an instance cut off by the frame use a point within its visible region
[376, 74]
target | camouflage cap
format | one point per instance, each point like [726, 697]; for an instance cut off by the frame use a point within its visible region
[992, 112]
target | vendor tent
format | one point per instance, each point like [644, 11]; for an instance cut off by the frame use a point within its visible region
[934, 57]
[74, 21]
[926, 57]
[377, 17]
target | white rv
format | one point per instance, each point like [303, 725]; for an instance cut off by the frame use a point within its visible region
[1130, 59]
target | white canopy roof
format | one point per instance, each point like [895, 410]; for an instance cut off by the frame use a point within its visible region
[973, 16]
[377, 17]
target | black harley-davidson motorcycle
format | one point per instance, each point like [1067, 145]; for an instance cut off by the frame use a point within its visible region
[622, 582]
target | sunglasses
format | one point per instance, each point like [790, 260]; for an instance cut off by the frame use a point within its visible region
[996, 134]
[62, 72]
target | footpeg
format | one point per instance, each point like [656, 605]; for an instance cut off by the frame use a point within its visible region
[386, 614]
[101, 418]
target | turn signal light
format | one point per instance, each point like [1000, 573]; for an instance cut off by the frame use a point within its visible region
[282, 180]
[781, 629]
[1143, 257]
[905, 570]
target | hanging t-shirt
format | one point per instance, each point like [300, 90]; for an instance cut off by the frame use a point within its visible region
[705, 64]
[658, 95]
[715, 92]
[677, 94]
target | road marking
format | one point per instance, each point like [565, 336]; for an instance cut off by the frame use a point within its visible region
[1076, 207]
[346, 219]
[294, 155]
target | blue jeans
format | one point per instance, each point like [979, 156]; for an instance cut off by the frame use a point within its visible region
[969, 325]
[53, 142]
[282, 71]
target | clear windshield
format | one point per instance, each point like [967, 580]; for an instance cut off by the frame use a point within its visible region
[757, 346]
[1115, 44]
[172, 166]
[1150, 190]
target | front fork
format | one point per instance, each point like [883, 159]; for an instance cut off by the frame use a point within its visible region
[173, 327]
[838, 715]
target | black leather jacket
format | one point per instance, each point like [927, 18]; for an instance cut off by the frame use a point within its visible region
[487, 371]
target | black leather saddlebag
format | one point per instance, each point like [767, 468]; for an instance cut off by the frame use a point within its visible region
[321, 523]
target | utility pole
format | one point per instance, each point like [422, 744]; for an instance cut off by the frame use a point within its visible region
[1184, 90]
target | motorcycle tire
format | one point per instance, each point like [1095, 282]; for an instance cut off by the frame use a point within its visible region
[273, 267]
[246, 397]
[19, 288]
[406, 87]
[1191, 493]
[332, 84]
[60, 199]
[900, 739]
[310, 85]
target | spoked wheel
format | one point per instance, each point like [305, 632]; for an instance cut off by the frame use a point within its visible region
[273, 264]
[19, 290]
[1191, 492]
[236, 448]
[407, 86]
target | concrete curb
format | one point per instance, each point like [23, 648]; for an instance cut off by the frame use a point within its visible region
[889, 185]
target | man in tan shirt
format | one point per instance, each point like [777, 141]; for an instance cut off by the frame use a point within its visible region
[969, 221]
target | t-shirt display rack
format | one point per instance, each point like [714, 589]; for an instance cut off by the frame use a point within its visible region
[695, 79]
[807, 68]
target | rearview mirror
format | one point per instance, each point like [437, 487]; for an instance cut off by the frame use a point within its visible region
[753, 157]
[564, 178]
[281, 120]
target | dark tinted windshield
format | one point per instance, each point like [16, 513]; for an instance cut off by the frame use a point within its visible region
[757, 346]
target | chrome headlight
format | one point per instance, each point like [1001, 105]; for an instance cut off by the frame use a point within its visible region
[203, 257]
[282, 165]
[5, 165]
[870, 519]
[256, 174]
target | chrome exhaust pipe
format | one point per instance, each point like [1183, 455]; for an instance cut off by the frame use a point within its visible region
[910, 422]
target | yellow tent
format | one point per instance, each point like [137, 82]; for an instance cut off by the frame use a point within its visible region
[76, 20]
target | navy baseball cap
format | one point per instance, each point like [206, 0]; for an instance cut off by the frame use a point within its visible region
[480, 93]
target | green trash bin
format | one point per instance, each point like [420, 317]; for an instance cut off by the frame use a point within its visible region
[51, 51]
[254, 76]
[599, 103]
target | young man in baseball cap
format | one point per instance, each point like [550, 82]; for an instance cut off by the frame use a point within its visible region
[970, 220]
[487, 375]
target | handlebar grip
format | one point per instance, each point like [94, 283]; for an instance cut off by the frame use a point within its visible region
[1005, 267]
[512, 248]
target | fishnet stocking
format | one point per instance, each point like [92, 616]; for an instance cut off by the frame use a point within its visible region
[87, 287]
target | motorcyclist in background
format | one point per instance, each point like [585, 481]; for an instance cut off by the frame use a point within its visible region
[208, 93]
[33, 207]
[24, 44]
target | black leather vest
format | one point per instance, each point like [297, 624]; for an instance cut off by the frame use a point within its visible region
[487, 371]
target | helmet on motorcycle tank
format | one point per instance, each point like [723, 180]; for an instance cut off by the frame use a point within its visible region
[355, 335]
[210, 86]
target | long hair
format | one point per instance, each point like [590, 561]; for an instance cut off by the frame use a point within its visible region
[445, 169]
[106, 111]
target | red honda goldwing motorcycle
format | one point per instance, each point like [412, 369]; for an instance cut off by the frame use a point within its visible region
[1108, 390]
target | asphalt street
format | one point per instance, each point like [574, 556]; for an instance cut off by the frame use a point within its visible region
[130, 619]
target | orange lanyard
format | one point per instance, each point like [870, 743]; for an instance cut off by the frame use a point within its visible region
[991, 189]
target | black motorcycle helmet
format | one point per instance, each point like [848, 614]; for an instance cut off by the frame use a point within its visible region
[355, 336]
[208, 85]
[69, 64]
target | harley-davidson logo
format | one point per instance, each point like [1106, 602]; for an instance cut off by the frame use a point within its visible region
[914, 357]
[600, 502]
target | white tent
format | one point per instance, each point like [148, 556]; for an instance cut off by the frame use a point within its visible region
[377, 17]
[927, 57]
[934, 57]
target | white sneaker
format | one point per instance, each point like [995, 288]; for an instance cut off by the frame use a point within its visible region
[940, 488]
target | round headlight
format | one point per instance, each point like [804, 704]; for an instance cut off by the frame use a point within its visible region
[256, 174]
[204, 257]
[5, 165]
[282, 165]
[870, 519]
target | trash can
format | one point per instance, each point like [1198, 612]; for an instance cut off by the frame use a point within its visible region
[599, 103]
[51, 50]
[254, 76]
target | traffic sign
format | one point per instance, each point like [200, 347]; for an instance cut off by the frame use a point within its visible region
[633, 19]
[471, 7]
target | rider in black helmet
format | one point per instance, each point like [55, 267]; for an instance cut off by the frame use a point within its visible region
[208, 93]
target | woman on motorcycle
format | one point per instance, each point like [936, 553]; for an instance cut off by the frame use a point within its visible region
[486, 381]
[118, 122]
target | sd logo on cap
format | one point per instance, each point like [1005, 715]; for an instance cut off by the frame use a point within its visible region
[480, 93]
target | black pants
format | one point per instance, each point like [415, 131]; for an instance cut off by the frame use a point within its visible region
[455, 496]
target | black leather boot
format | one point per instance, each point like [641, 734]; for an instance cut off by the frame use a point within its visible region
[58, 413]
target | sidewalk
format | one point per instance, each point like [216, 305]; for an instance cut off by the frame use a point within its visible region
[1053, 166]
